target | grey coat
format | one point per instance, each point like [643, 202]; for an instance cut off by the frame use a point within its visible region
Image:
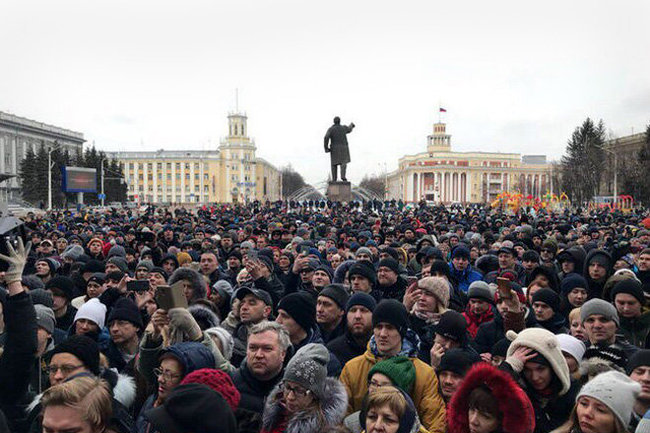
[337, 135]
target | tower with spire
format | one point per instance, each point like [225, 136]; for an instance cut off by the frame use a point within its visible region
[440, 141]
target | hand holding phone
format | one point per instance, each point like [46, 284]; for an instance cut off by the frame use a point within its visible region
[168, 297]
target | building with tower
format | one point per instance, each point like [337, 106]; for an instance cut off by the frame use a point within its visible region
[231, 173]
[443, 175]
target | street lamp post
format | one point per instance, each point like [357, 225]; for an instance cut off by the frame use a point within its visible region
[49, 174]
[615, 174]
[101, 165]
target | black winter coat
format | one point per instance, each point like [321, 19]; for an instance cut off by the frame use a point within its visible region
[345, 347]
[490, 333]
[17, 359]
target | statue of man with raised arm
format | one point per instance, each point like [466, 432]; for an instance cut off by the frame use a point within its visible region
[336, 143]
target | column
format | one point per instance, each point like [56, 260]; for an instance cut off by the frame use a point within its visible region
[154, 169]
[458, 187]
[3, 140]
[173, 196]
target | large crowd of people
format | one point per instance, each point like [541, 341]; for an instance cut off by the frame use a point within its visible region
[324, 317]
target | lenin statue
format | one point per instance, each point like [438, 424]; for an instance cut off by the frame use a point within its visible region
[336, 143]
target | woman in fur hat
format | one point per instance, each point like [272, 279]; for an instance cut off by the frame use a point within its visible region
[490, 401]
[306, 401]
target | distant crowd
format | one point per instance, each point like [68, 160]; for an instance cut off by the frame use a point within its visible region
[326, 317]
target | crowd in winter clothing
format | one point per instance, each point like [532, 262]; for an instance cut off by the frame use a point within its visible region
[319, 317]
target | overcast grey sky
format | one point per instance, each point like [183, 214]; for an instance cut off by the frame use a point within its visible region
[515, 76]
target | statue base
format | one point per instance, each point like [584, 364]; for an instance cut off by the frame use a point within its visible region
[339, 191]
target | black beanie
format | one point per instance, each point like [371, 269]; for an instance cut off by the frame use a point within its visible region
[268, 262]
[393, 312]
[126, 309]
[455, 360]
[389, 263]
[363, 299]
[547, 296]
[62, 284]
[500, 348]
[641, 358]
[337, 293]
[630, 286]
[301, 307]
[452, 325]
[365, 269]
[83, 348]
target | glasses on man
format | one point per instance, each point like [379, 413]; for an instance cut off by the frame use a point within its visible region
[166, 374]
[298, 391]
[66, 369]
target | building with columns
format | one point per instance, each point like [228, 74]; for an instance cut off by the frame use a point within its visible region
[442, 175]
[231, 173]
[18, 135]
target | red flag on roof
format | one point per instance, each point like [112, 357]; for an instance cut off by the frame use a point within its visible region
[443, 110]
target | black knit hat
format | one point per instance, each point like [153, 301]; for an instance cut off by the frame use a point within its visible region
[389, 263]
[159, 270]
[393, 312]
[630, 286]
[365, 269]
[325, 269]
[83, 348]
[126, 309]
[641, 358]
[547, 296]
[452, 325]
[455, 360]
[193, 407]
[337, 293]
[301, 306]
[63, 285]
[363, 299]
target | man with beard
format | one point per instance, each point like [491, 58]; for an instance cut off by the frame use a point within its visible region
[353, 342]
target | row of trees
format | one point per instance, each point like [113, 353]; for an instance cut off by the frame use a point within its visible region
[587, 160]
[33, 176]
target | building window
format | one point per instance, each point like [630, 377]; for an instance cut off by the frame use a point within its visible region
[187, 166]
[131, 166]
[169, 176]
[159, 166]
[178, 166]
[169, 166]
[196, 166]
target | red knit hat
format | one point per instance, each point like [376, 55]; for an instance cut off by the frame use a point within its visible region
[218, 381]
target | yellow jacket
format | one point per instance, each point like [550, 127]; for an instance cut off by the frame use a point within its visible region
[429, 404]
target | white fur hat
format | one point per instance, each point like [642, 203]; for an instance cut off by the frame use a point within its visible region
[546, 344]
[438, 287]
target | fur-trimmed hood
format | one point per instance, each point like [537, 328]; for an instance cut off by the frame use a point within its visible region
[516, 409]
[122, 388]
[332, 407]
[196, 280]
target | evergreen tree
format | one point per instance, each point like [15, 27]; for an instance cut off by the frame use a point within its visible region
[583, 162]
[28, 179]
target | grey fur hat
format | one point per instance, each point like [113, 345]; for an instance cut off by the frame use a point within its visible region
[194, 278]
[225, 337]
[308, 367]
[204, 316]
[73, 252]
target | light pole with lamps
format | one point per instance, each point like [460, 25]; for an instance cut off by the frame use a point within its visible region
[101, 165]
[615, 177]
[49, 174]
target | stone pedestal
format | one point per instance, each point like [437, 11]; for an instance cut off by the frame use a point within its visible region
[339, 191]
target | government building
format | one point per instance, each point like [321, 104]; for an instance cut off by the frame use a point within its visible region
[442, 175]
[18, 135]
[232, 173]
